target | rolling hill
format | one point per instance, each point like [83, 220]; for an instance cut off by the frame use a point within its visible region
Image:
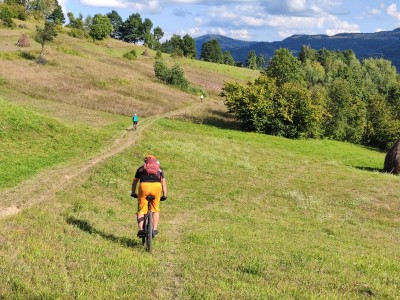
[384, 44]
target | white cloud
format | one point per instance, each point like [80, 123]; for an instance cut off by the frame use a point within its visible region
[338, 26]
[105, 3]
[374, 12]
[144, 6]
[330, 25]
[393, 12]
[250, 21]
[242, 34]
[297, 5]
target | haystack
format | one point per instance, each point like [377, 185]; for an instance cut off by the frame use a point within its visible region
[392, 159]
[145, 53]
[23, 41]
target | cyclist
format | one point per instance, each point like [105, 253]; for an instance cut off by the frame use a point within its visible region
[135, 120]
[150, 184]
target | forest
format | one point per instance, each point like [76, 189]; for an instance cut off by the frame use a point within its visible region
[321, 94]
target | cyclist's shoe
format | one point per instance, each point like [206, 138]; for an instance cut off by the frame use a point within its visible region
[155, 233]
[140, 233]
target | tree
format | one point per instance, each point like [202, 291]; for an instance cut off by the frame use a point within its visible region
[307, 53]
[188, 46]
[260, 61]
[76, 23]
[381, 73]
[299, 117]
[132, 29]
[284, 67]
[314, 73]
[252, 104]
[228, 58]
[381, 128]
[45, 34]
[16, 9]
[148, 37]
[211, 51]
[158, 33]
[57, 15]
[348, 122]
[116, 22]
[101, 27]
[173, 45]
[44, 7]
[6, 17]
[251, 61]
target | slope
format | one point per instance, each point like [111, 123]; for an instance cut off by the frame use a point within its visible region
[256, 217]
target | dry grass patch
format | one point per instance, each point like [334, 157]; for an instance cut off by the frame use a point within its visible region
[96, 76]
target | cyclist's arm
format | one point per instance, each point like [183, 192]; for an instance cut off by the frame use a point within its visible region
[134, 184]
[164, 187]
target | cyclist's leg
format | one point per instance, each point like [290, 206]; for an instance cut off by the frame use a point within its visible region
[157, 191]
[140, 220]
[156, 218]
[142, 205]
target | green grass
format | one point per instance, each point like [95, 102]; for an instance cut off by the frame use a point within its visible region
[249, 216]
[31, 142]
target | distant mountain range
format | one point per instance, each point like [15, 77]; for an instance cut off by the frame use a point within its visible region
[384, 44]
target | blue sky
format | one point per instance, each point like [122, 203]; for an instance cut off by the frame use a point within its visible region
[268, 20]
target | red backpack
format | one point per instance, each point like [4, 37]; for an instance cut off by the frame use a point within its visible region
[151, 166]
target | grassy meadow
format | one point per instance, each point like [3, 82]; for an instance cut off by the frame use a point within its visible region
[248, 216]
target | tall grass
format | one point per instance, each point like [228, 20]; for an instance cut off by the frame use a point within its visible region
[248, 217]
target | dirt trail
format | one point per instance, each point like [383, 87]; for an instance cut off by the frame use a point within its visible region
[44, 186]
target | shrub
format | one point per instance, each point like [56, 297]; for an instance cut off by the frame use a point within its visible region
[78, 33]
[131, 55]
[161, 70]
[6, 16]
[177, 78]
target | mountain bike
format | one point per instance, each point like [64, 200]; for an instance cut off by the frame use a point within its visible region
[147, 223]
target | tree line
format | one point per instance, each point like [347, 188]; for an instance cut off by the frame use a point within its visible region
[321, 94]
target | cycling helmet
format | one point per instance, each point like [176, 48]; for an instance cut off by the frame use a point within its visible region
[149, 156]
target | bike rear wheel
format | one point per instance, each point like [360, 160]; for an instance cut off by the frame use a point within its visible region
[149, 231]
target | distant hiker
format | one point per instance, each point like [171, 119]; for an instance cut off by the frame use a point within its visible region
[135, 120]
[201, 98]
[152, 182]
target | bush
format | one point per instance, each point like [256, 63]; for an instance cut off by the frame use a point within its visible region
[161, 70]
[177, 78]
[131, 55]
[78, 33]
[6, 16]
